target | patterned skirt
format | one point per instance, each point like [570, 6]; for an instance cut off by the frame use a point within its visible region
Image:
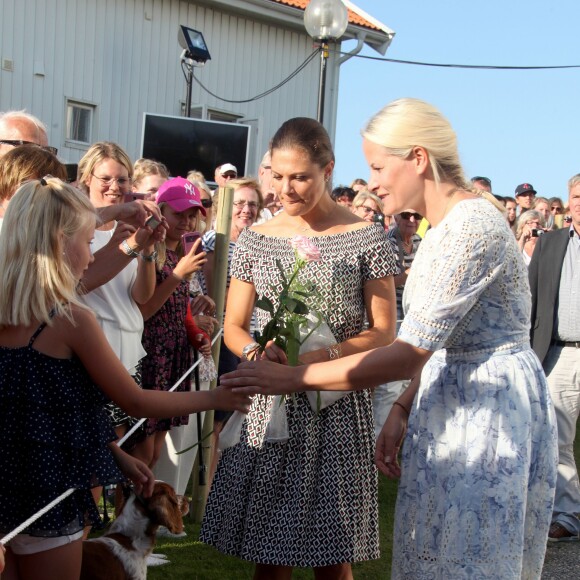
[308, 502]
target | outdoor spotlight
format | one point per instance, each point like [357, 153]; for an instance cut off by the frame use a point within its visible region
[193, 44]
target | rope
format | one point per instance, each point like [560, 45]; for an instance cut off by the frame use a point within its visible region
[35, 516]
[68, 492]
[185, 375]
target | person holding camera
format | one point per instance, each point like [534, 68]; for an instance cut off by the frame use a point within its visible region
[369, 207]
[530, 227]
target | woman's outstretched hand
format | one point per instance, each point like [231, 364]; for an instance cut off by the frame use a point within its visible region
[390, 441]
[269, 378]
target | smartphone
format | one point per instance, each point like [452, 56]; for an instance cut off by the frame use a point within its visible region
[152, 222]
[187, 241]
[129, 197]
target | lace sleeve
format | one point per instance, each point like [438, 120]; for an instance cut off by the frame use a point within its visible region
[465, 261]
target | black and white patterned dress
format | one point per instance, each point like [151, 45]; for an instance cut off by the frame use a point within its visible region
[311, 501]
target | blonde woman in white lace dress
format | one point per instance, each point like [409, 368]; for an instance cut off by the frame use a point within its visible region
[479, 457]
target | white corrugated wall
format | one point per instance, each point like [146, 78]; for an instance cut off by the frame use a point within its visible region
[123, 56]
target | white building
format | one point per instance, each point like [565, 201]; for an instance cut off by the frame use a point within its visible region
[90, 69]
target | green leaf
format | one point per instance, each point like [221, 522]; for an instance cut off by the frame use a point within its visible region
[282, 273]
[265, 304]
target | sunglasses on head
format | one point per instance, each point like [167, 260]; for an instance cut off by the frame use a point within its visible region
[406, 215]
[207, 203]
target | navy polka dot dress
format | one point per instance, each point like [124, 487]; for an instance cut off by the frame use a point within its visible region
[54, 433]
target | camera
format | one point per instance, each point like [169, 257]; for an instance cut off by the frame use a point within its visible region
[379, 218]
[537, 232]
[152, 222]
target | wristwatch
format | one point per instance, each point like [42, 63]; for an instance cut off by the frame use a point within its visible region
[128, 250]
[249, 349]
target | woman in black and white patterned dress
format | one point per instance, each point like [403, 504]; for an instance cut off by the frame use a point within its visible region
[310, 501]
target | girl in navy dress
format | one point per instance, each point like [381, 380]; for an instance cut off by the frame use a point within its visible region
[56, 372]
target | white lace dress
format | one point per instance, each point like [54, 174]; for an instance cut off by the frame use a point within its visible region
[479, 460]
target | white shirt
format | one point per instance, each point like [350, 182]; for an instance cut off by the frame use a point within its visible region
[116, 311]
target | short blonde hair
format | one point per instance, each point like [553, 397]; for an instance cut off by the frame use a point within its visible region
[195, 175]
[145, 167]
[36, 277]
[407, 123]
[250, 182]
[363, 195]
[97, 153]
[531, 214]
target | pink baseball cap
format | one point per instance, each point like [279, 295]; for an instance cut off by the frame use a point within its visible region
[180, 194]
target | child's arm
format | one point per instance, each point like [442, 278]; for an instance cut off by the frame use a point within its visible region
[196, 336]
[135, 470]
[144, 286]
[87, 341]
[190, 263]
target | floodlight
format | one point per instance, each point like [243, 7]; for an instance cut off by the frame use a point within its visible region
[193, 43]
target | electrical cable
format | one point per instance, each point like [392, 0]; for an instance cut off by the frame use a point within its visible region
[443, 65]
[265, 93]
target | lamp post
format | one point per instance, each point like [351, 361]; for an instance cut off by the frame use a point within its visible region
[325, 20]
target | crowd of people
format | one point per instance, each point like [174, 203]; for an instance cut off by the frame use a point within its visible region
[451, 359]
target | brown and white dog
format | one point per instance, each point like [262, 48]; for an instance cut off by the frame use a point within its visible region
[121, 552]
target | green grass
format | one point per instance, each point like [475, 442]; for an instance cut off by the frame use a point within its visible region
[192, 560]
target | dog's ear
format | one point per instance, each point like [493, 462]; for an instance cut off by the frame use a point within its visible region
[183, 502]
[165, 509]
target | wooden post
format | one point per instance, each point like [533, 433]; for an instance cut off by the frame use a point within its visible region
[225, 206]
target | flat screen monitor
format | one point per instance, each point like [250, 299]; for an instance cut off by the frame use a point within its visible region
[184, 144]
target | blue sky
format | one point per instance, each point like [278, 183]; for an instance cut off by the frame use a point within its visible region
[512, 126]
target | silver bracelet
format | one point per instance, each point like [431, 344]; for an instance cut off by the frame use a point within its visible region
[128, 250]
[334, 351]
[151, 257]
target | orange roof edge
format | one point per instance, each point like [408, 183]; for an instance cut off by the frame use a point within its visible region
[356, 15]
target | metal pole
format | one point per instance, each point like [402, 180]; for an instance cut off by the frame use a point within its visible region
[322, 82]
[225, 196]
[189, 82]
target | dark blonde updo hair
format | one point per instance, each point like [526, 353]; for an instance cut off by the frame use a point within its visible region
[306, 134]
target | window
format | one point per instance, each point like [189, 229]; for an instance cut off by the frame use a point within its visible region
[79, 122]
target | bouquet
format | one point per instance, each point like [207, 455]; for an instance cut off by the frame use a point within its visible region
[291, 317]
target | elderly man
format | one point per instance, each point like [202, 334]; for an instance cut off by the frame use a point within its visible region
[21, 128]
[555, 283]
[483, 183]
[223, 174]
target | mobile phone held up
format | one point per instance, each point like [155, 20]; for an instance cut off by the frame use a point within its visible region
[187, 241]
[129, 197]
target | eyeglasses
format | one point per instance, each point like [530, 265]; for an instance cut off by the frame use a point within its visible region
[108, 181]
[533, 223]
[207, 203]
[241, 204]
[407, 215]
[18, 143]
[368, 209]
[556, 209]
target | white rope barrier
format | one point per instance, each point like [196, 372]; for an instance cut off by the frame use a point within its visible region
[185, 375]
[68, 492]
[34, 517]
